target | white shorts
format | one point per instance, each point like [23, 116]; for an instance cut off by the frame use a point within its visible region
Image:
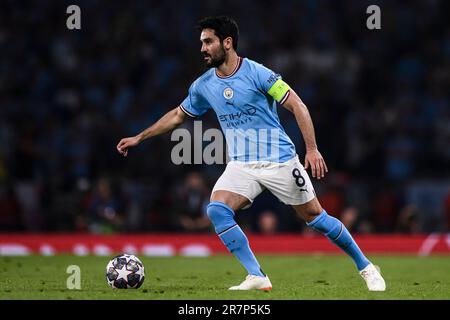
[288, 181]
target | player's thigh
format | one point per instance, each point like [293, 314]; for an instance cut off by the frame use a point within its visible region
[233, 200]
[290, 183]
[236, 187]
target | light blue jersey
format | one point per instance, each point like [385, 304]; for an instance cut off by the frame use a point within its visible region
[245, 103]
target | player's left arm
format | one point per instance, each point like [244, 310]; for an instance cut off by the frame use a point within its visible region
[272, 83]
[313, 158]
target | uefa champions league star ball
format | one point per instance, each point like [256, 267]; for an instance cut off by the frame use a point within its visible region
[125, 271]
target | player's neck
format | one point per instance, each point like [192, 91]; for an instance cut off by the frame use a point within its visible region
[229, 66]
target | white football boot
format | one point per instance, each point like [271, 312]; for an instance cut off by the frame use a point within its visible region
[253, 282]
[371, 274]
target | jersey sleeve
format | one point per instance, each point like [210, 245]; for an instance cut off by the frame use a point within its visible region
[272, 84]
[194, 104]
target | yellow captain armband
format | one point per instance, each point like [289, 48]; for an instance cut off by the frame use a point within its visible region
[279, 91]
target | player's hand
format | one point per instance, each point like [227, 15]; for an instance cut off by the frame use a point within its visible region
[126, 143]
[315, 160]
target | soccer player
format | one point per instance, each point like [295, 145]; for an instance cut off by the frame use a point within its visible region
[244, 95]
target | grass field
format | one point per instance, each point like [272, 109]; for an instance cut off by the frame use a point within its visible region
[293, 277]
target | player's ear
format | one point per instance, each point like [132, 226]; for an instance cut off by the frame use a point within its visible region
[228, 43]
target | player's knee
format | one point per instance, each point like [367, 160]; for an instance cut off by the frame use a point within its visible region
[220, 215]
[307, 214]
[311, 215]
[310, 210]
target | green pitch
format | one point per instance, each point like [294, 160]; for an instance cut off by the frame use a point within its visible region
[293, 277]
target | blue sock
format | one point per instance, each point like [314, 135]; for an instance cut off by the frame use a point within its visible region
[233, 237]
[337, 233]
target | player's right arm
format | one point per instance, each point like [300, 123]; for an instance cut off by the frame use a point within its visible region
[169, 121]
[194, 105]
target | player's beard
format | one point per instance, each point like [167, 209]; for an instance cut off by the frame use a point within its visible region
[216, 60]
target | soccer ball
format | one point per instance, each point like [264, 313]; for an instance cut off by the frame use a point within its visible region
[125, 271]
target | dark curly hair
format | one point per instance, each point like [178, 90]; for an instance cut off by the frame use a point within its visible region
[223, 27]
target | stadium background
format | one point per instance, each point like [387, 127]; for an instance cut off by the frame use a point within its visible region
[379, 100]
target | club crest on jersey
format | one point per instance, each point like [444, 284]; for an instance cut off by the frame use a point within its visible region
[228, 93]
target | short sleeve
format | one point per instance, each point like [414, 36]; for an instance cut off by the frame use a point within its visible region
[271, 83]
[195, 104]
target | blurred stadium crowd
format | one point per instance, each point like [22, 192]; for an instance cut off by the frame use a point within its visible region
[379, 101]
